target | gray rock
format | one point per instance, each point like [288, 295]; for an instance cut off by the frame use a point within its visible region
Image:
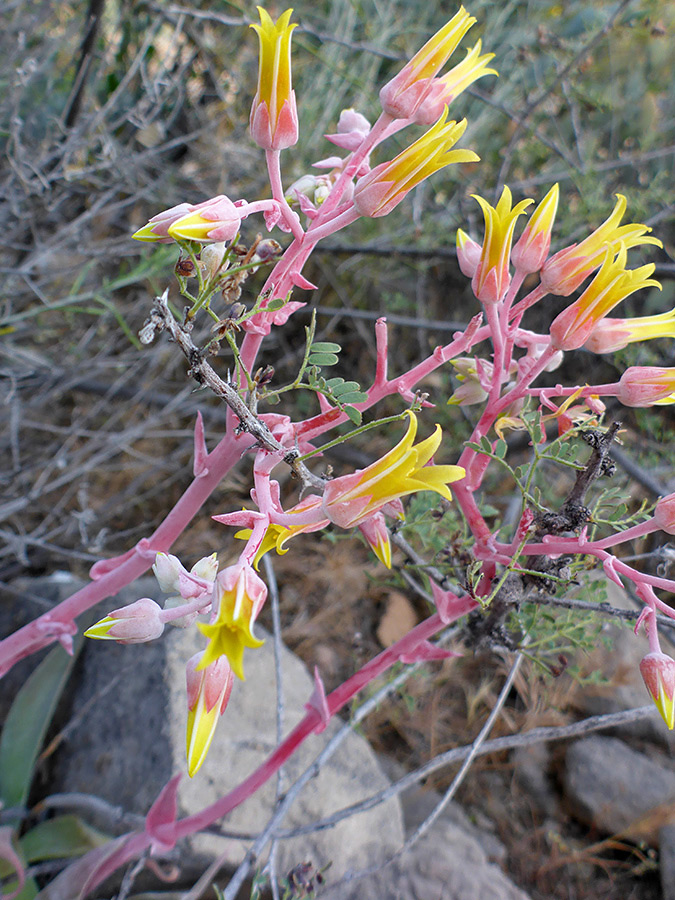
[531, 767]
[129, 739]
[419, 802]
[446, 864]
[618, 790]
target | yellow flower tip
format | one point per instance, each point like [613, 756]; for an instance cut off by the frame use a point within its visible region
[201, 726]
[100, 630]
[666, 707]
[383, 553]
[146, 233]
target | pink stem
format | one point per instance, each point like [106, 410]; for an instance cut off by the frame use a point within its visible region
[290, 217]
[47, 628]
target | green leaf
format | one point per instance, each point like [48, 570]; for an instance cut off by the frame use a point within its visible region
[353, 397]
[346, 387]
[26, 724]
[333, 383]
[486, 444]
[278, 303]
[325, 347]
[322, 359]
[354, 415]
[500, 449]
[472, 445]
[63, 836]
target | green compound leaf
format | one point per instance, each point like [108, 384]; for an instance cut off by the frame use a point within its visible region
[325, 347]
[322, 359]
[346, 387]
[354, 415]
[273, 305]
[352, 397]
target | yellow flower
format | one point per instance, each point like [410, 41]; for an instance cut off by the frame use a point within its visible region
[383, 188]
[564, 271]
[274, 118]
[530, 253]
[242, 595]
[491, 279]
[349, 500]
[416, 93]
[613, 283]
[615, 334]
[446, 89]
[208, 692]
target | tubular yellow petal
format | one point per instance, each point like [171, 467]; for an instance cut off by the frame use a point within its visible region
[201, 726]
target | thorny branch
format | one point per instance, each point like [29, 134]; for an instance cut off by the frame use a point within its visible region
[203, 373]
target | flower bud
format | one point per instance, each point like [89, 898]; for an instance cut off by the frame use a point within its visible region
[133, 624]
[468, 254]
[646, 386]
[664, 514]
[211, 258]
[208, 693]
[531, 250]
[658, 672]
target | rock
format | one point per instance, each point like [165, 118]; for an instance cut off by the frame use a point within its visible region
[531, 766]
[618, 790]
[446, 863]
[131, 740]
[418, 802]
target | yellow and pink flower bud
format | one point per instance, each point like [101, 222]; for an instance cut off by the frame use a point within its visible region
[351, 499]
[383, 188]
[402, 96]
[564, 271]
[238, 597]
[376, 534]
[647, 386]
[468, 254]
[208, 693]
[658, 672]
[274, 116]
[613, 283]
[492, 277]
[473, 383]
[531, 249]
[133, 624]
[610, 335]
[664, 514]
[446, 89]
[157, 229]
[216, 220]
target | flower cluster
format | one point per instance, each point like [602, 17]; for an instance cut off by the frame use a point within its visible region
[225, 605]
